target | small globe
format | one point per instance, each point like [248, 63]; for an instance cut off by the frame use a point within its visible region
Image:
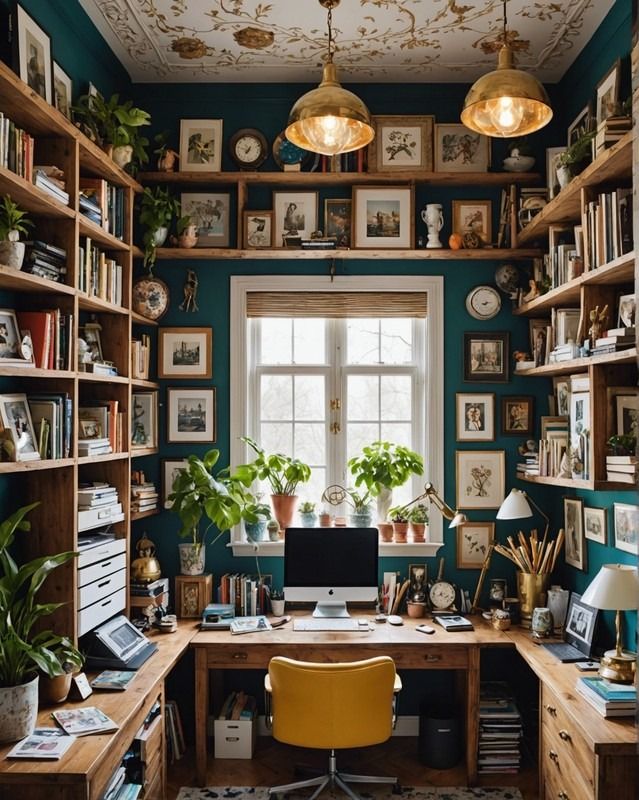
[507, 278]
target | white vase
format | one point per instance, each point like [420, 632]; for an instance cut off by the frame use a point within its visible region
[384, 502]
[191, 559]
[12, 254]
[563, 176]
[18, 711]
[433, 217]
[122, 155]
[159, 236]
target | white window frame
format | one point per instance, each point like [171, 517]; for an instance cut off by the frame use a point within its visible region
[432, 422]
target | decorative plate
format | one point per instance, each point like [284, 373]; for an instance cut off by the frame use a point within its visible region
[286, 153]
[150, 297]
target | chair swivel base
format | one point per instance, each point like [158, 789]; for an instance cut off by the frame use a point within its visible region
[331, 779]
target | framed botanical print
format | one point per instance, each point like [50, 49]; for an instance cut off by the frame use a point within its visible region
[185, 353]
[458, 149]
[575, 544]
[473, 216]
[401, 143]
[580, 434]
[486, 357]
[481, 478]
[517, 415]
[16, 419]
[210, 214]
[626, 527]
[62, 90]
[32, 53]
[170, 469]
[191, 415]
[383, 217]
[475, 417]
[473, 542]
[200, 145]
[608, 93]
[595, 524]
[258, 230]
[295, 217]
[337, 220]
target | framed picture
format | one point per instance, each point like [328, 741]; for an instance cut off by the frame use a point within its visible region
[458, 149]
[562, 396]
[538, 334]
[473, 216]
[580, 125]
[210, 213]
[575, 546]
[62, 90]
[486, 356]
[144, 419]
[200, 145]
[185, 353]
[475, 417]
[627, 311]
[401, 143]
[580, 434]
[383, 217]
[89, 428]
[554, 425]
[258, 230]
[32, 54]
[417, 577]
[626, 527]
[566, 325]
[580, 623]
[552, 154]
[608, 93]
[337, 220]
[170, 469]
[295, 217]
[628, 414]
[595, 524]
[473, 542]
[11, 346]
[191, 415]
[90, 333]
[16, 418]
[481, 480]
[517, 415]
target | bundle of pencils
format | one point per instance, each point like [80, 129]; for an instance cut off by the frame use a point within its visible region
[530, 554]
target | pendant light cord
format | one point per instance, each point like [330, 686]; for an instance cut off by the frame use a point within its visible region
[330, 34]
[505, 23]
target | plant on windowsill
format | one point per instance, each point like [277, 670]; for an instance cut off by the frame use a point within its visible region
[417, 520]
[13, 222]
[360, 502]
[158, 207]
[255, 515]
[308, 517]
[23, 652]
[398, 515]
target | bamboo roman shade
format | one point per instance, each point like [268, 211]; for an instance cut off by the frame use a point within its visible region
[336, 304]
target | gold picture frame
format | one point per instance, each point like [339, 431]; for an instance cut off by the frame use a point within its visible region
[473, 216]
[473, 542]
[481, 478]
[402, 143]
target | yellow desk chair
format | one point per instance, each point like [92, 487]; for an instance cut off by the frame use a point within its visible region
[330, 707]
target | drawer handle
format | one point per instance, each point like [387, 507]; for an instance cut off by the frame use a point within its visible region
[105, 564]
[240, 656]
[104, 583]
[563, 796]
[551, 710]
[565, 736]
[106, 603]
[430, 657]
[552, 755]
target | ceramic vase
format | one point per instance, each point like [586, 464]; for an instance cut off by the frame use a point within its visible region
[277, 607]
[433, 218]
[564, 176]
[541, 624]
[531, 591]
[361, 519]
[308, 519]
[384, 502]
[188, 238]
[284, 509]
[12, 254]
[18, 710]
[255, 531]
[191, 559]
[122, 155]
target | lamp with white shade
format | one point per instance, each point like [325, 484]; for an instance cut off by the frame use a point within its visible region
[615, 588]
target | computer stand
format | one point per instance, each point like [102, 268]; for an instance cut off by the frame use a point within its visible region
[331, 609]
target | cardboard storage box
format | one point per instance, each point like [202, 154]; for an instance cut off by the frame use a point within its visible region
[235, 738]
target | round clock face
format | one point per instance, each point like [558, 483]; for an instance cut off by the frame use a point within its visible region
[483, 302]
[150, 297]
[286, 153]
[248, 148]
[442, 594]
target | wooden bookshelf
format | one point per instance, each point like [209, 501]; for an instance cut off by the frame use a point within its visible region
[628, 356]
[480, 254]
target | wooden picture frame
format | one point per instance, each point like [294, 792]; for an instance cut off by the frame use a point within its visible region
[257, 230]
[16, 419]
[486, 356]
[538, 335]
[338, 219]
[200, 145]
[473, 216]
[383, 217]
[481, 478]
[90, 333]
[144, 420]
[626, 519]
[209, 212]
[11, 340]
[608, 93]
[473, 542]
[575, 544]
[193, 593]
[402, 143]
[191, 415]
[580, 434]
[294, 217]
[561, 388]
[62, 90]
[580, 125]
[185, 353]
[417, 579]
[627, 414]
[517, 415]
[89, 428]
[458, 149]
[32, 54]
[596, 524]
[170, 467]
[475, 416]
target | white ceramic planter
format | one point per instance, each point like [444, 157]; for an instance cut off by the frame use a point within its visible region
[191, 559]
[18, 711]
[277, 607]
[12, 254]
[122, 155]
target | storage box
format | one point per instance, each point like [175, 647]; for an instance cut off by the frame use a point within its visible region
[235, 738]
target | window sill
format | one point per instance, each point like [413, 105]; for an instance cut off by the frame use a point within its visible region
[390, 550]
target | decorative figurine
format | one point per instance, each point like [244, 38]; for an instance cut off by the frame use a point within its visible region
[190, 292]
[533, 291]
[145, 567]
[598, 321]
[433, 217]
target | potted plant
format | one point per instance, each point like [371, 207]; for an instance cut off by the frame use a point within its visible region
[55, 688]
[381, 467]
[417, 520]
[197, 493]
[23, 651]
[283, 474]
[187, 232]
[307, 514]
[572, 161]
[157, 209]
[520, 156]
[277, 602]
[398, 515]
[622, 444]
[362, 514]
[255, 516]
[166, 155]
[13, 222]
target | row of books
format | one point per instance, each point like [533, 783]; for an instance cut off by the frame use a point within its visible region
[103, 203]
[355, 161]
[610, 131]
[610, 699]
[16, 148]
[140, 357]
[622, 469]
[607, 227]
[238, 705]
[248, 593]
[175, 741]
[99, 276]
[500, 730]
[101, 427]
[50, 179]
[52, 418]
[144, 496]
[45, 260]
[51, 333]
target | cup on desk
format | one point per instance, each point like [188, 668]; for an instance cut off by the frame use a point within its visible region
[415, 609]
[277, 607]
[531, 590]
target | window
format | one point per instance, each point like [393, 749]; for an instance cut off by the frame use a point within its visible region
[320, 371]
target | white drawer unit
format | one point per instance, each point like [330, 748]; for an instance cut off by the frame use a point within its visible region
[101, 569]
[93, 615]
[97, 517]
[100, 552]
[102, 587]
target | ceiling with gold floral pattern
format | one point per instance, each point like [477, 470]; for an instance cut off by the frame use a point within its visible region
[382, 41]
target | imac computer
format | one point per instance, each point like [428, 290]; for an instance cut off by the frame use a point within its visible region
[330, 567]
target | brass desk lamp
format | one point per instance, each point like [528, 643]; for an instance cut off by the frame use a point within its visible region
[455, 517]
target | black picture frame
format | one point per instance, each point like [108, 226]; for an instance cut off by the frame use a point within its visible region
[486, 356]
[581, 624]
[517, 415]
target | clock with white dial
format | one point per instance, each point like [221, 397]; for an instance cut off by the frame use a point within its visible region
[248, 148]
[483, 302]
[442, 595]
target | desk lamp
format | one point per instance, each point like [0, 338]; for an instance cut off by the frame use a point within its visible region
[615, 588]
[455, 517]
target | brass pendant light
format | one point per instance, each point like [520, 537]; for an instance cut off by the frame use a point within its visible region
[506, 102]
[329, 119]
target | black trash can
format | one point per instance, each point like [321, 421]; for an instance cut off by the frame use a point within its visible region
[440, 737]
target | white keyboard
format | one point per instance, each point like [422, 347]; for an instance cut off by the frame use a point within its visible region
[327, 624]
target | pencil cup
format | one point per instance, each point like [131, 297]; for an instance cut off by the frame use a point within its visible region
[531, 591]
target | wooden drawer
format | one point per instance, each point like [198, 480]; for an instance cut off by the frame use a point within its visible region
[155, 789]
[100, 589]
[93, 615]
[95, 572]
[151, 740]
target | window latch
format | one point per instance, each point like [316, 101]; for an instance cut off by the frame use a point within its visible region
[336, 404]
[335, 427]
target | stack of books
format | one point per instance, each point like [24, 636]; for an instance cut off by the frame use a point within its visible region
[138, 588]
[140, 357]
[614, 340]
[238, 705]
[50, 179]
[98, 505]
[621, 469]
[45, 260]
[610, 131]
[500, 730]
[89, 206]
[144, 497]
[323, 243]
[95, 446]
[610, 699]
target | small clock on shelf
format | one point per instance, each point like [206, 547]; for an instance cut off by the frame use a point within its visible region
[483, 302]
[289, 156]
[248, 148]
[150, 297]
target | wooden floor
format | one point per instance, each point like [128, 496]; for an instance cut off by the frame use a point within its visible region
[273, 764]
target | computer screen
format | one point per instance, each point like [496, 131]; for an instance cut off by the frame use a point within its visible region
[331, 567]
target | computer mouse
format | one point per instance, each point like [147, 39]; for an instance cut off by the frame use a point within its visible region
[395, 619]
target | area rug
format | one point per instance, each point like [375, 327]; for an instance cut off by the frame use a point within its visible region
[383, 793]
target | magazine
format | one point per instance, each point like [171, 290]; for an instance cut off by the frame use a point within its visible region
[47, 743]
[455, 623]
[113, 680]
[250, 624]
[82, 721]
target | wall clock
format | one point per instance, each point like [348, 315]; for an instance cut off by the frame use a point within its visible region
[483, 302]
[286, 154]
[150, 297]
[248, 148]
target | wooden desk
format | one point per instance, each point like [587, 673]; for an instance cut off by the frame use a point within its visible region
[83, 772]
[218, 650]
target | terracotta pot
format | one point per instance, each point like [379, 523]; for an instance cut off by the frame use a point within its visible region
[188, 237]
[400, 531]
[325, 520]
[55, 690]
[284, 509]
[415, 609]
[418, 529]
[18, 710]
[385, 531]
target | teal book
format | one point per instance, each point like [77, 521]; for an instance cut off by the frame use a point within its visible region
[611, 691]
